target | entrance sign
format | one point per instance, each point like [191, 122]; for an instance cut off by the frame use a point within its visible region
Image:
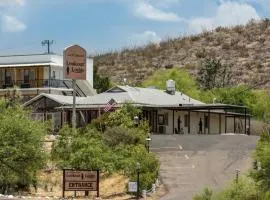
[80, 180]
[132, 186]
[75, 63]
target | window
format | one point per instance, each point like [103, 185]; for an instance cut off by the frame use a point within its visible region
[186, 120]
[26, 76]
[206, 121]
[53, 74]
[161, 119]
[8, 77]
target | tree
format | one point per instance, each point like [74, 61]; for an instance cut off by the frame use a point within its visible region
[183, 81]
[101, 84]
[214, 74]
[262, 157]
[114, 149]
[21, 153]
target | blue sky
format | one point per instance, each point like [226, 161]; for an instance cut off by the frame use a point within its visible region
[102, 25]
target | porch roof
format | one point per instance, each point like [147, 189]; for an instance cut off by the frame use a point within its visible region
[201, 107]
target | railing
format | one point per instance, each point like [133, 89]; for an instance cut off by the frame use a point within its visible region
[39, 83]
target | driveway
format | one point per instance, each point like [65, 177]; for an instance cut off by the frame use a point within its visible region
[189, 163]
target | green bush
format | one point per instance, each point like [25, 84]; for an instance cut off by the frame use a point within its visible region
[116, 148]
[119, 135]
[183, 81]
[21, 153]
[245, 189]
[205, 195]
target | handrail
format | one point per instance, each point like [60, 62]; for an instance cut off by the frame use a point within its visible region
[36, 83]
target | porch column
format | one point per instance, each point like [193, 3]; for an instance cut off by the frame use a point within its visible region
[225, 121]
[15, 76]
[219, 123]
[209, 122]
[249, 125]
[188, 122]
[234, 124]
[62, 118]
[204, 132]
[49, 79]
[173, 122]
[245, 121]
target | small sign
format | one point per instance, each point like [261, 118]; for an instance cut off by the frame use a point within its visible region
[80, 180]
[132, 186]
[75, 63]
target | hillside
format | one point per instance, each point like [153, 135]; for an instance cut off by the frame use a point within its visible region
[247, 48]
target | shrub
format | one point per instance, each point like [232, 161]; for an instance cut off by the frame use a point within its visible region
[21, 153]
[116, 150]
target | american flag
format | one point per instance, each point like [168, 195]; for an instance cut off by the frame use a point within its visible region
[110, 105]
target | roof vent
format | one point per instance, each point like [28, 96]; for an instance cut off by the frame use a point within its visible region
[170, 87]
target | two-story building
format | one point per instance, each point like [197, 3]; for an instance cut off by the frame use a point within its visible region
[33, 74]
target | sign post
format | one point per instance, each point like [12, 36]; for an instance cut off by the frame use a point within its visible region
[75, 69]
[80, 180]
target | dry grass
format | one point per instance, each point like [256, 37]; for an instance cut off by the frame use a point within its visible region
[111, 188]
[238, 45]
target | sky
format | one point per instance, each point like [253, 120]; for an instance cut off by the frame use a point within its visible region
[104, 25]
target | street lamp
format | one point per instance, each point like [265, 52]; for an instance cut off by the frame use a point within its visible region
[136, 120]
[148, 140]
[138, 167]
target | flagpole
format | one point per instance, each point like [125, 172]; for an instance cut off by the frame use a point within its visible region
[99, 112]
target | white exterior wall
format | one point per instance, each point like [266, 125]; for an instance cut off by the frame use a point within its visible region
[169, 127]
[55, 61]
[194, 122]
[89, 71]
[58, 72]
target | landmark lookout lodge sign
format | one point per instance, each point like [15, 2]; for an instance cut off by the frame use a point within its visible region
[75, 63]
[80, 180]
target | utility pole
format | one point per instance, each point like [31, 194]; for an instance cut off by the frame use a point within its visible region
[47, 43]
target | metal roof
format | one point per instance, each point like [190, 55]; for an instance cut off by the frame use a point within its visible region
[61, 99]
[141, 96]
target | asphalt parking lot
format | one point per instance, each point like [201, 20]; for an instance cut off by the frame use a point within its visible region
[189, 163]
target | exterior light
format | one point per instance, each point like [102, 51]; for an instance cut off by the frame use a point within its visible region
[136, 120]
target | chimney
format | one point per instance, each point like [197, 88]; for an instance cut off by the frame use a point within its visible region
[170, 87]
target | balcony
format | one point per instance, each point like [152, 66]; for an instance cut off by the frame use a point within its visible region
[39, 83]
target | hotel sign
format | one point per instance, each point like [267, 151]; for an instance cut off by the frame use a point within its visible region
[81, 180]
[75, 63]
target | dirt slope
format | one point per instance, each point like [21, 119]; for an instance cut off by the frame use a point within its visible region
[246, 47]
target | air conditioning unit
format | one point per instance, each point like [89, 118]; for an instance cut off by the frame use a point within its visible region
[161, 129]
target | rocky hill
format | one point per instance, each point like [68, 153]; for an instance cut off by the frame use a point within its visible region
[247, 48]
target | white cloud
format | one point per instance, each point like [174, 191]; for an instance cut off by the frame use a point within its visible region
[146, 10]
[228, 14]
[12, 24]
[145, 38]
[163, 3]
[264, 3]
[4, 3]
